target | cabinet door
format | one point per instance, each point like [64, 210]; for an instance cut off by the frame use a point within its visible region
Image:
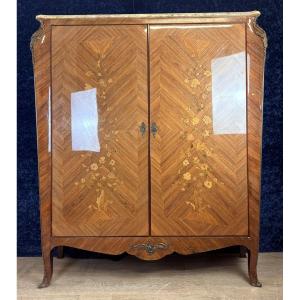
[100, 154]
[199, 151]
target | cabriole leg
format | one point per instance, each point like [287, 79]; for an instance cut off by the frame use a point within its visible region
[48, 268]
[252, 267]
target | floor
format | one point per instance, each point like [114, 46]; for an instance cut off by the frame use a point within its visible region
[202, 276]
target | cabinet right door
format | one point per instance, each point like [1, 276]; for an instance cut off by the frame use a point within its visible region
[198, 110]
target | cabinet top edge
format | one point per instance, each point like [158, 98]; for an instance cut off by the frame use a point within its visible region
[152, 16]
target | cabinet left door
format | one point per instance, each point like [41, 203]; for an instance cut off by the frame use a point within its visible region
[99, 141]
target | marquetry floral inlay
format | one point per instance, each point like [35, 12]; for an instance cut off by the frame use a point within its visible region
[195, 173]
[100, 173]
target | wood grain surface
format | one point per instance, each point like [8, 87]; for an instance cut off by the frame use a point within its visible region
[100, 177]
[198, 175]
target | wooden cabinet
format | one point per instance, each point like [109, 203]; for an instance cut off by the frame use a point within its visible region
[149, 133]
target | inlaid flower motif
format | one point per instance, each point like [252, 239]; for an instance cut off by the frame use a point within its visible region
[111, 175]
[197, 151]
[187, 176]
[190, 137]
[195, 120]
[208, 153]
[102, 159]
[204, 167]
[89, 73]
[195, 82]
[208, 184]
[94, 167]
[201, 146]
[205, 133]
[87, 86]
[186, 162]
[206, 119]
[207, 73]
[97, 177]
[208, 87]
[196, 160]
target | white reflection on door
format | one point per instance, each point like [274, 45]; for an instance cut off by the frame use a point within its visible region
[84, 119]
[229, 94]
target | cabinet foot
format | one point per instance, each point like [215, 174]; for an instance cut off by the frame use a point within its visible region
[48, 269]
[256, 283]
[252, 268]
[45, 282]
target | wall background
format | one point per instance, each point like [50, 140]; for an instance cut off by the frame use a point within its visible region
[271, 20]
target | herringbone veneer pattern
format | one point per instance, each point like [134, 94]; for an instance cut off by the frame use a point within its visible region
[198, 178]
[100, 192]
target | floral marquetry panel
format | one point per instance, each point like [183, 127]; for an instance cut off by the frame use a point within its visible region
[100, 158]
[199, 154]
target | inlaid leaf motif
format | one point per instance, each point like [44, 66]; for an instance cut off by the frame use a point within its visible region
[100, 172]
[196, 123]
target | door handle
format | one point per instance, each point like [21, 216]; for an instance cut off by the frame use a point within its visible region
[142, 128]
[154, 129]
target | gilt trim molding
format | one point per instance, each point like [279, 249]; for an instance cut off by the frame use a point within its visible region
[258, 31]
[37, 35]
